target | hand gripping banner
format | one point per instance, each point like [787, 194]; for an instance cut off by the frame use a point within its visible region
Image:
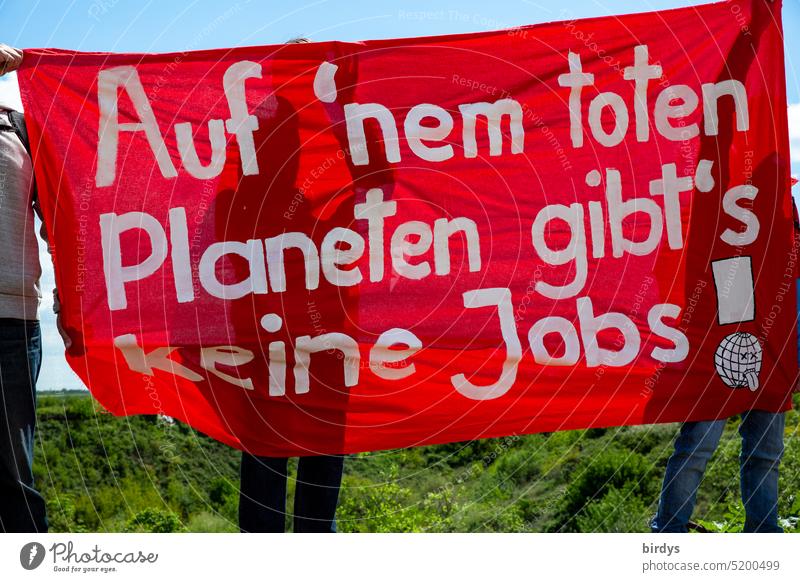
[337, 247]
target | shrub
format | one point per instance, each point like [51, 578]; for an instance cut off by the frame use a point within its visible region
[205, 522]
[384, 507]
[618, 511]
[610, 469]
[153, 520]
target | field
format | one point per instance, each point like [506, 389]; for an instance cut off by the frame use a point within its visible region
[145, 474]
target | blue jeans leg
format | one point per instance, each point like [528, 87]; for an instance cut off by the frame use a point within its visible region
[22, 508]
[693, 449]
[262, 500]
[762, 449]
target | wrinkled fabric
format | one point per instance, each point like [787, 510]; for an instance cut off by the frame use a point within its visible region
[421, 243]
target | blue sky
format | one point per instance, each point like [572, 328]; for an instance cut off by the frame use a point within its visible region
[166, 25]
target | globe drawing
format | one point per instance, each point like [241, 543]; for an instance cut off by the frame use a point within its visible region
[738, 360]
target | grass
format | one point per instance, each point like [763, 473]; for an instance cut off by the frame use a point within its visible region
[101, 473]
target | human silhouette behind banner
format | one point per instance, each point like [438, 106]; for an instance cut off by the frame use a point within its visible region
[761, 430]
[258, 207]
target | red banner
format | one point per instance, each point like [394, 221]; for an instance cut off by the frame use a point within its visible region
[336, 247]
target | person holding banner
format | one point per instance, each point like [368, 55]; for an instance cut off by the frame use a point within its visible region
[762, 449]
[262, 499]
[22, 507]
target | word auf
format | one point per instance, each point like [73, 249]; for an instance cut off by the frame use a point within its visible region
[423, 126]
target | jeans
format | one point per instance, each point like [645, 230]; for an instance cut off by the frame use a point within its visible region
[262, 501]
[22, 508]
[762, 448]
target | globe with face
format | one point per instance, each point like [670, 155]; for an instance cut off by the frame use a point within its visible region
[738, 360]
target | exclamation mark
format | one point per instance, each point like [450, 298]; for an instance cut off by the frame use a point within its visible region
[733, 279]
[738, 356]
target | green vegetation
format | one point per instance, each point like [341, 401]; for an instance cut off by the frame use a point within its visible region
[142, 474]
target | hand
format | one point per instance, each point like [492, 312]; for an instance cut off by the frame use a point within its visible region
[59, 326]
[10, 59]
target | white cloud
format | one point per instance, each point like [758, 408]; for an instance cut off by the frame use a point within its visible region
[9, 92]
[794, 145]
[56, 373]
[794, 131]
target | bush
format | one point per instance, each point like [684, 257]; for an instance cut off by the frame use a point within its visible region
[618, 511]
[384, 507]
[152, 520]
[102, 473]
[610, 469]
[205, 522]
[518, 466]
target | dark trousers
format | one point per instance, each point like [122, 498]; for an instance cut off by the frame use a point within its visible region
[22, 508]
[262, 501]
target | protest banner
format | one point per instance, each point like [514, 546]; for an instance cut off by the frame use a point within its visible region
[336, 247]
